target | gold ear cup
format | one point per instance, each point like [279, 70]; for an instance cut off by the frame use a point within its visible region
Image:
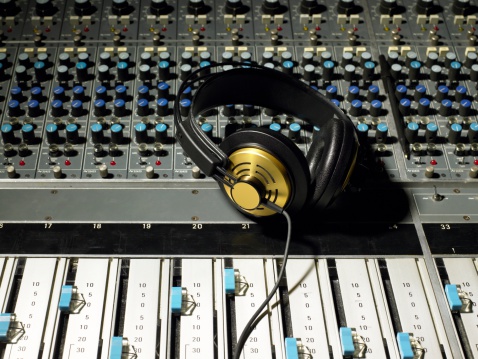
[261, 177]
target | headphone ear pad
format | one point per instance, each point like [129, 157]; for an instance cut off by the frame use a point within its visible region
[284, 150]
[331, 158]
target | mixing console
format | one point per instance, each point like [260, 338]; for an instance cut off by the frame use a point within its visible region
[113, 244]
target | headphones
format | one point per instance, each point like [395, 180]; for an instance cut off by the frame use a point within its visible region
[261, 171]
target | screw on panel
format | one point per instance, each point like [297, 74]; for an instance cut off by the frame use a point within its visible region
[194, 191]
[456, 191]
[48, 218]
[466, 218]
[54, 191]
[195, 218]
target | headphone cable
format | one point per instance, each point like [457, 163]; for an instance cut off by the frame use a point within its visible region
[251, 324]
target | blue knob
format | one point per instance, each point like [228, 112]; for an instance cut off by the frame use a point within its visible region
[79, 93]
[76, 108]
[36, 93]
[163, 70]
[57, 108]
[372, 93]
[28, 133]
[101, 92]
[381, 133]
[294, 132]
[116, 133]
[141, 134]
[143, 107]
[275, 127]
[52, 133]
[59, 93]
[455, 133]
[404, 106]
[207, 129]
[411, 132]
[331, 91]
[335, 102]
[161, 133]
[123, 73]
[97, 135]
[353, 93]
[16, 93]
[420, 91]
[100, 108]
[464, 108]
[81, 71]
[423, 106]
[14, 108]
[33, 108]
[143, 92]
[72, 133]
[442, 93]
[121, 92]
[376, 108]
[401, 91]
[163, 107]
[8, 135]
[163, 90]
[431, 132]
[356, 108]
[184, 106]
[187, 93]
[119, 108]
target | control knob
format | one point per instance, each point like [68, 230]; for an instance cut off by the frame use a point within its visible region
[84, 7]
[44, 8]
[345, 6]
[197, 7]
[272, 7]
[424, 7]
[309, 7]
[387, 7]
[8, 8]
[159, 7]
[234, 7]
[120, 7]
[461, 7]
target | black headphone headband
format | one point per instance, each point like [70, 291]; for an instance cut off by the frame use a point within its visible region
[254, 85]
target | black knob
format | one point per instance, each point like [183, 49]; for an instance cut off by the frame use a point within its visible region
[52, 133]
[83, 7]
[424, 7]
[100, 108]
[309, 7]
[197, 7]
[387, 7]
[234, 7]
[72, 135]
[8, 8]
[272, 7]
[120, 7]
[116, 133]
[345, 6]
[44, 8]
[460, 7]
[159, 7]
[62, 73]
[97, 135]
[28, 133]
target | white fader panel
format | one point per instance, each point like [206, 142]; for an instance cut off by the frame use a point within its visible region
[258, 344]
[8, 265]
[84, 329]
[52, 321]
[142, 304]
[412, 304]
[359, 305]
[31, 306]
[197, 327]
[307, 313]
[462, 271]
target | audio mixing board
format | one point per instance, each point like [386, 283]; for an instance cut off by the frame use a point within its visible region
[113, 244]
